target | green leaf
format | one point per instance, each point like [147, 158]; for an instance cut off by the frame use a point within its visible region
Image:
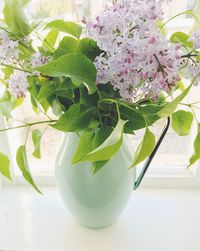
[67, 27]
[88, 142]
[17, 102]
[139, 118]
[45, 104]
[103, 133]
[98, 165]
[150, 112]
[135, 120]
[171, 107]
[65, 90]
[16, 19]
[181, 38]
[145, 148]
[75, 119]
[76, 66]
[67, 45]
[88, 100]
[57, 107]
[94, 124]
[109, 147]
[182, 122]
[36, 137]
[5, 166]
[196, 155]
[84, 146]
[6, 109]
[33, 87]
[89, 48]
[35, 104]
[24, 53]
[50, 40]
[181, 86]
[8, 103]
[22, 162]
[7, 72]
[45, 91]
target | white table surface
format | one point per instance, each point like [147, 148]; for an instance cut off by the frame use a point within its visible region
[155, 220]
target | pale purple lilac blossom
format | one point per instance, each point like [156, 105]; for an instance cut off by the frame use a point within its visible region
[193, 66]
[38, 59]
[195, 39]
[137, 60]
[193, 69]
[17, 84]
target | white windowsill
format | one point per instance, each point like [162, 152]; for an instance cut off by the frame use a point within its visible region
[155, 220]
[154, 178]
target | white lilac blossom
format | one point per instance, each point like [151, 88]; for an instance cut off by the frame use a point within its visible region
[137, 60]
[194, 70]
[17, 84]
[195, 39]
[193, 66]
[8, 49]
[38, 59]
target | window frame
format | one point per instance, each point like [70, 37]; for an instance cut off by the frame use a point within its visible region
[157, 178]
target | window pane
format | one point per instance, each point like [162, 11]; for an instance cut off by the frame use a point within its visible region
[174, 151]
[50, 140]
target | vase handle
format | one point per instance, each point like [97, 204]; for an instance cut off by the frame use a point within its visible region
[148, 162]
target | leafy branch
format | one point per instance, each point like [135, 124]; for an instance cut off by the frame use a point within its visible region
[28, 125]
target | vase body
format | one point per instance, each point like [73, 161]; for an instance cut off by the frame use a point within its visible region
[95, 201]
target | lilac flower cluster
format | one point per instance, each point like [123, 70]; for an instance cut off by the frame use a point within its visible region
[9, 54]
[137, 59]
[39, 59]
[193, 66]
[195, 39]
[18, 84]
[8, 49]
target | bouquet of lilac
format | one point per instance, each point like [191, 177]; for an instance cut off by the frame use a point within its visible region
[117, 74]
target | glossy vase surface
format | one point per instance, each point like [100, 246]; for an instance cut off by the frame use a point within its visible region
[95, 201]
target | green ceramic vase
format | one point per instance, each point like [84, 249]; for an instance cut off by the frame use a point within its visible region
[95, 201]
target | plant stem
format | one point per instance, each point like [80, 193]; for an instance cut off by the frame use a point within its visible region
[15, 68]
[99, 93]
[20, 42]
[27, 135]
[185, 104]
[189, 55]
[118, 112]
[20, 121]
[99, 114]
[194, 114]
[194, 103]
[4, 29]
[190, 12]
[42, 39]
[195, 107]
[28, 125]
[45, 114]
[192, 109]
[120, 103]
